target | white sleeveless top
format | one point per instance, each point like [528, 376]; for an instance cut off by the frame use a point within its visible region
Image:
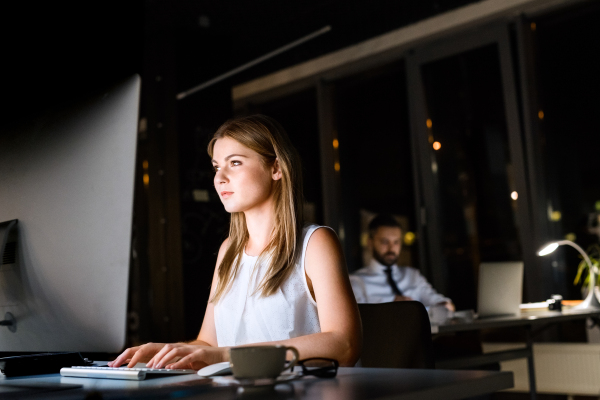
[244, 316]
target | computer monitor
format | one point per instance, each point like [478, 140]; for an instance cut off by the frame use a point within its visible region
[67, 176]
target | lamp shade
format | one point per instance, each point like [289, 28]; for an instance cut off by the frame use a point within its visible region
[549, 248]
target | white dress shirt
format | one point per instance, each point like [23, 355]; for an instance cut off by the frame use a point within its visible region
[370, 285]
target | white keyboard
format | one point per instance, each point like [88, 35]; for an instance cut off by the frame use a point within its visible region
[134, 374]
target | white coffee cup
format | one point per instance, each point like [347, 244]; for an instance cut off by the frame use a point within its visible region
[256, 362]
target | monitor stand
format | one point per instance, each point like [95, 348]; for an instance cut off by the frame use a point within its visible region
[7, 257]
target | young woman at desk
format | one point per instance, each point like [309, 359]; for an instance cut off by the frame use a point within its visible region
[275, 282]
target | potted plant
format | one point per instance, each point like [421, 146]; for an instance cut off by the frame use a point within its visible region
[583, 271]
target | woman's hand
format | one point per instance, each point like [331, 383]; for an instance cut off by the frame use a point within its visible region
[187, 356]
[200, 357]
[172, 355]
[134, 355]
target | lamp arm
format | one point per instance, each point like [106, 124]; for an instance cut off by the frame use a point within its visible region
[593, 268]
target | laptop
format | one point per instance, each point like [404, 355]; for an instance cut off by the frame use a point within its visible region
[500, 289]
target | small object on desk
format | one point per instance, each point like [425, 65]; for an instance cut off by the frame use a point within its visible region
[218, 369]
[465, 316]
[539, 306]
[43, 363]
[571, 303]
[133, 374]
[555, 303]
[438, 314]
[548, 305]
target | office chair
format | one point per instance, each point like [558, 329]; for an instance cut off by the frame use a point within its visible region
[396, 335]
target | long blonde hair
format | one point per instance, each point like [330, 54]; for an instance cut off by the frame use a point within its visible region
[266, 137]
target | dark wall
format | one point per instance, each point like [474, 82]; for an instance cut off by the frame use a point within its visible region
[53, 52]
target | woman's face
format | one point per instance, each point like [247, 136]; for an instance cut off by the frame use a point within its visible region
[242, 181]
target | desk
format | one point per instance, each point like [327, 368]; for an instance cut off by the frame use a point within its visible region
[529, 320]
[350, 384]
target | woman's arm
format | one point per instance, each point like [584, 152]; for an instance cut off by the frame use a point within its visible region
[341, 334]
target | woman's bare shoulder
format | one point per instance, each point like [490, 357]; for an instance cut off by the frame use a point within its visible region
[222, 250]
[224, 244]
[323, 245]
[323, 237]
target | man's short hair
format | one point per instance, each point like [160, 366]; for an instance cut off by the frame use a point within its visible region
[383, 220]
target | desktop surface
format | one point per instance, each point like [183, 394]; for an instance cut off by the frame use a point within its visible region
[524, 318]
[351, 383]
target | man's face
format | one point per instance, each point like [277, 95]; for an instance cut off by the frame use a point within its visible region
[386, 244]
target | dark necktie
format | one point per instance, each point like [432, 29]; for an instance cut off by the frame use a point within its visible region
[391, 282]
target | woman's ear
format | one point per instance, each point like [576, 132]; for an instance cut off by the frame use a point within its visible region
[276, 171]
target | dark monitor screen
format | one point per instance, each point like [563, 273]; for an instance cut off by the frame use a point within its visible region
[67, 176]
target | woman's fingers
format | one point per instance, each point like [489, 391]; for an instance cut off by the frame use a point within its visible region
[150, 363]
[171, 356]
[191, 361]
[156, 360]
[144, 353]
[123, 357]
[159, 358]
[201, 358]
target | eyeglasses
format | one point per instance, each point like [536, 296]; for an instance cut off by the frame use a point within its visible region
[319, 367]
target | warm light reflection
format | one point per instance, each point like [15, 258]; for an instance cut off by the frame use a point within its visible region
[146, 179]
[437, 145]
[409, 238]
[429, 123]
[145, 164]
[555, 216]
[336, 143]
[533, 26]
[337, 166]
[514, 195]
[571, 236]
[541, 114]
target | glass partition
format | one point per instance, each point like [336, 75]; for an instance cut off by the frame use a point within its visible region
[471, 165]
[564, 116]
[376, 163]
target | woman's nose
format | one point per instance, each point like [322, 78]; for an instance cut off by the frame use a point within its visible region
[220, 177]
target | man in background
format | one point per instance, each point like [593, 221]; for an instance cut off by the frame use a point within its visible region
[383, 281]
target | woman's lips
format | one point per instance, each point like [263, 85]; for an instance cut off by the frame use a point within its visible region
[226, 194]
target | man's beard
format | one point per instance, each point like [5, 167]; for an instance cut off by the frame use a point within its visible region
[388, 259]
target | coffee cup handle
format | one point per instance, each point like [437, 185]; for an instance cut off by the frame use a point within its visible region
[294, 359]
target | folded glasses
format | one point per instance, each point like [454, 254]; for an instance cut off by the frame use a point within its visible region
[319, 367]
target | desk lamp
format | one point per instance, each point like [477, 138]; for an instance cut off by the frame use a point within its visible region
[591, 301]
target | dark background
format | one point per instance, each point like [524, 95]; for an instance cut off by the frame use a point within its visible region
[55, 52]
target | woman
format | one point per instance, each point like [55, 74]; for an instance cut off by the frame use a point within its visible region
[275, 282]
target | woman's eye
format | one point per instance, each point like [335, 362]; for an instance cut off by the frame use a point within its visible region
[215, 168]
[234, 163]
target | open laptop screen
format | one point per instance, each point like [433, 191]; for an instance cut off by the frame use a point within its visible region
[500, 288]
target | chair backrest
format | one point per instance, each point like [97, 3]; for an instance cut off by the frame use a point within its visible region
[396, 335]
